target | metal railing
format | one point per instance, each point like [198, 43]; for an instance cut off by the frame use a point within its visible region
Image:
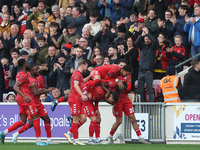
[156, 113]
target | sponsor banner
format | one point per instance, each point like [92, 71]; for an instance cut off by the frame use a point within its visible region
[9, 114]
[186, 122]
[143, 123]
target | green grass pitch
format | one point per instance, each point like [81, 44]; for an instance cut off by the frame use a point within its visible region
[66, 146]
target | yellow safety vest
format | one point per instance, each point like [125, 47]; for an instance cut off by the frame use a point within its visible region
[168, 85]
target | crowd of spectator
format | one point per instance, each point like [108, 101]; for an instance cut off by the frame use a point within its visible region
[56, 34]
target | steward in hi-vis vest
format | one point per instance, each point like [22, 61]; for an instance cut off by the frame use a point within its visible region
[169, 86]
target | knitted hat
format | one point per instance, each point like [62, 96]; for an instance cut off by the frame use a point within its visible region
[122, 28]
[67, 47]
[23, 53]
[61, 55]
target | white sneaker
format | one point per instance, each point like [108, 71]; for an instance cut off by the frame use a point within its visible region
[78, 143]
[142, 140]
[52, 142]
[110, 140]
[14, 137]
[68, 137]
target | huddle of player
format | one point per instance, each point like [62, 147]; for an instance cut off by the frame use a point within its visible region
[109, 82]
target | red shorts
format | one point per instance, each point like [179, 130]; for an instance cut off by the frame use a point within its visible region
[89, 109]
[29, 109]
[96, 73]
[41, 111]
[76, 107]
[124, 105]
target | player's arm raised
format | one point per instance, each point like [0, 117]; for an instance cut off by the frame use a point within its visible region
[78, 90]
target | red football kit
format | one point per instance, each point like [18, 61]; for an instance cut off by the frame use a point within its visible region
[107, 71]
[74, 100]
[41, 109]
[124, 103]
[24, 107]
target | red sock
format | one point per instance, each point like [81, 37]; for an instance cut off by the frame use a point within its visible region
[48, 129]
[97, 129]
[92, 128]
[36, 125]
[61, 99]
[112, 132]
[15, 126]
[24, 128]
[138, 132]
[80, 124]
[75, 130]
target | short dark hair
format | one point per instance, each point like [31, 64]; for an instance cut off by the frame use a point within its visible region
[117, 89]
[183, 7]
[41, 22]
[194, 62]
[21, 62]
[127, 68]
[115, 96]
[123, 61]
[80, 48]
[41, 38]
[53, 24]
[82, 62]
[15, 50]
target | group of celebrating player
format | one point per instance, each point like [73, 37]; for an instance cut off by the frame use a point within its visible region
[108, 82]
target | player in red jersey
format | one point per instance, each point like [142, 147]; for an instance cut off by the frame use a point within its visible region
[76, 98]
[108, 72]
[27, 106]
[124, 105]
[37, 89]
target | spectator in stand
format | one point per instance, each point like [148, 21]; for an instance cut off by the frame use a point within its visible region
[192, 27]
[41, 31]
[3, 49]
[106, 61]
[54, 34]
[151, 23]
[66, 50]
[104, 37]
[16, 13]
[94, 26]
[96, 51]
[179, 23]
[166, 26]
[77, 19]
[106, 8]
[124, 8]
[7, 73]
[132, 19]
[11, 97]
[86, 34]
[161, 60]
[98, 60]
[50, 60]
[120, 39]
[172, 8]
[136, 29]
[109, 24]
[58, 75]
[159, 7]
[132, 55]
[191, 84]
[27, 35]
[113, 54]
[83, 42]
[56, 13]
[147, 45]
[5, 27]
[2, 84]
[68, 35]
[24, 55]
[45, 98]
[4, 9]
[15, 38]
[26, 46]
[91, 5]
[176, 53]
[42, 51]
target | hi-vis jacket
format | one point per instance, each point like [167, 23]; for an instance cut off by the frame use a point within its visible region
[168, 86]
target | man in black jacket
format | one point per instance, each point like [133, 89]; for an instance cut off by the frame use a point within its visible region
[2, 84]
[147, 44]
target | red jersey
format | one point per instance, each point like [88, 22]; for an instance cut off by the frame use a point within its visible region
[36, 99]
[23, 78]
[41, 82]
[108, 70]
[76, 76]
